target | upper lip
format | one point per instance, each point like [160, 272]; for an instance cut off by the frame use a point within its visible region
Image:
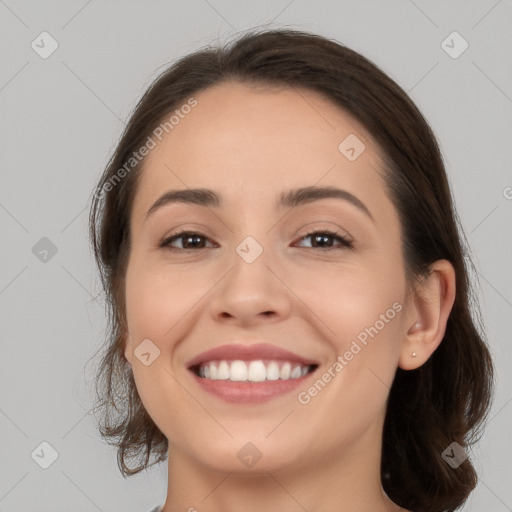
[248, 352]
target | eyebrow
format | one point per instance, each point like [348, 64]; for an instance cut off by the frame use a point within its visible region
[289, 198]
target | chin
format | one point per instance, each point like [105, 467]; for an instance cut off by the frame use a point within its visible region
[246, 457]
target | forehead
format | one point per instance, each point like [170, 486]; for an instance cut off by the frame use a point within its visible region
[251, 142]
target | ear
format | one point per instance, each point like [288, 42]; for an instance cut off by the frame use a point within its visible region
[428, 315]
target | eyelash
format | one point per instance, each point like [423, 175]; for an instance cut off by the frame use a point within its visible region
[345, 244]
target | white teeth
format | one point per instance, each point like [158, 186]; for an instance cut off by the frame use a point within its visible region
[238, 371]
[257, 371]
[295, 374]
[285, 371]
[223, 372]
[273, 371]
[254, 371]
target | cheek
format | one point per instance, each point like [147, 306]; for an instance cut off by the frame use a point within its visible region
[364, 310]
[158, 297]
[347, 301]
[361, 310]
[157, 303]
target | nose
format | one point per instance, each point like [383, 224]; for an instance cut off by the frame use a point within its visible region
[251, 293]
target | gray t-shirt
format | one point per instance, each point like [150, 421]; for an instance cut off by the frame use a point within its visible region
[157, 509]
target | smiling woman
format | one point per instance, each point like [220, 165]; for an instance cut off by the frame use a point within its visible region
[293, 236]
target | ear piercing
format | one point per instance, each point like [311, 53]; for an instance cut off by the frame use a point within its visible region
[414, 354]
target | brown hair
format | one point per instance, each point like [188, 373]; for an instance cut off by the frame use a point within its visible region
[445, 400]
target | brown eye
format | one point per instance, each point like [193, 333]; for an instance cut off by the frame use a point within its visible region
[190, 241]
[321, 240]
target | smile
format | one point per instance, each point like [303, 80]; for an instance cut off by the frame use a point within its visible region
[252, 371]
[247, 382]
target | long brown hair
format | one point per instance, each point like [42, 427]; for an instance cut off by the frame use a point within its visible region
[445, 400]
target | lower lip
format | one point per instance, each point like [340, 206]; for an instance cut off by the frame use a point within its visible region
[249, 392]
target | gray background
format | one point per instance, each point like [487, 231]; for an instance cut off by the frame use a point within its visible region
[60, 118]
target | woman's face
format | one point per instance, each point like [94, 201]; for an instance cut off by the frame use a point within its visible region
[250, 275]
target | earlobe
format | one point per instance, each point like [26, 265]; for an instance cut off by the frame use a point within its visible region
[431, 310]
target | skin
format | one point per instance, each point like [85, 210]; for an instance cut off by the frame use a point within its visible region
[249, 144]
